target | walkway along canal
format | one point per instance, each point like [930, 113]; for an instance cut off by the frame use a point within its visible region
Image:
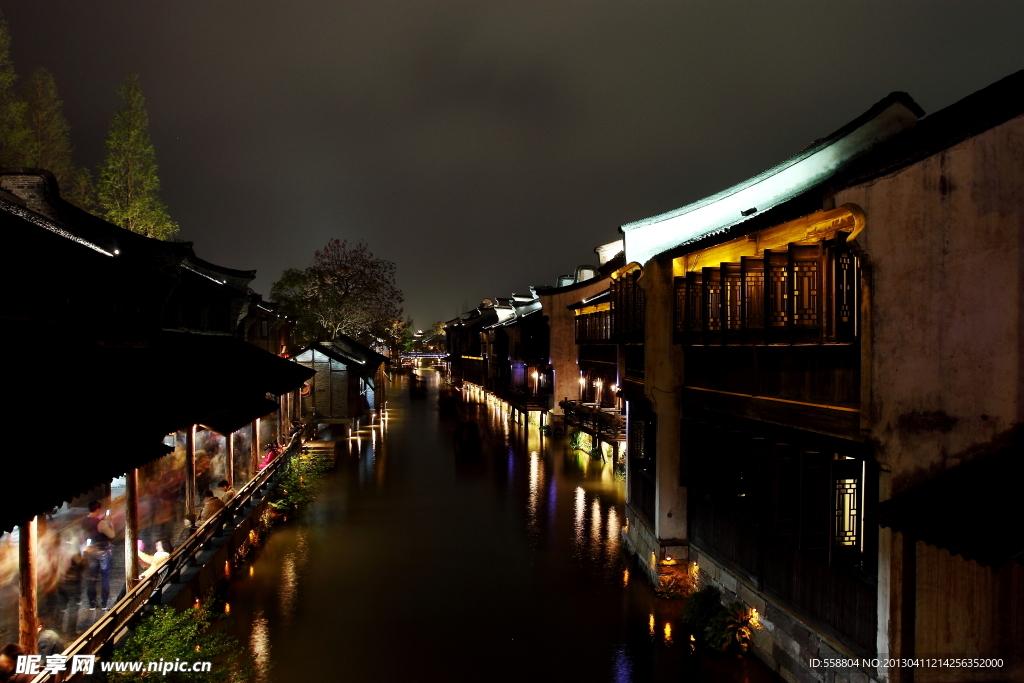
[416, 564]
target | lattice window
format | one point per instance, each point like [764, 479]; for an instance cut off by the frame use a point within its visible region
[680, 304]
[805, 293]
[847, 507]
[694, 292]
[844, 287]
[732, 291]
[712, 299]
[753, 292]
[779, 284]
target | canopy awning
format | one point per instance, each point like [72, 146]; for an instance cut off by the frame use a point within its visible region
[87, 413]
[972, 510]
[239, 415]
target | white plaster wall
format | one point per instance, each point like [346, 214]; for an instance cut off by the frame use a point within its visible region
[944, 244]
[663, 380]
[563, 337]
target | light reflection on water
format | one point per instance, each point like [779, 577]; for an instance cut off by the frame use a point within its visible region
[259, 646]
[467, 564]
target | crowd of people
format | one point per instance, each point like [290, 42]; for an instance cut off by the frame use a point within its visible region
[78, 559]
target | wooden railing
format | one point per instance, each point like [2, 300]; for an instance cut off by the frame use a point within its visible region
[149, 590]
[521, 399]
[606, 424]
[594, 328]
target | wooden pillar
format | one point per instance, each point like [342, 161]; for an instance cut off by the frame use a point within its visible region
[131, 529]
[27, 619]
[230, 439]
[255, 446]
[908, 608]
[280, 419]
[190, 474]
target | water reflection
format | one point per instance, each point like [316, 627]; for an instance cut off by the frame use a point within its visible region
[259, 647]
[503, 566]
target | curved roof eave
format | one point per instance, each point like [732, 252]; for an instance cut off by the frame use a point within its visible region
[649, 237]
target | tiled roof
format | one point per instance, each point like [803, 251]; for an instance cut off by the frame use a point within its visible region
[811, 167]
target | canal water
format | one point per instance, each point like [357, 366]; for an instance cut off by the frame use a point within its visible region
[423, 562]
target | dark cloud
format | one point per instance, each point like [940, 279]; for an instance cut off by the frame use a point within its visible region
[483, 146]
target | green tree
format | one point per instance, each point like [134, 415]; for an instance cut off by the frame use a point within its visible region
[13, 134]
[49, 139]
[128, 182]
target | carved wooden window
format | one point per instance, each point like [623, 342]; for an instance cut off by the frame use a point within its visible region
[732, 296]
[694, 292]
[847, 528]
[679, 310]
[753, 292]
[712, 301]
[778, 289]
[806, 286]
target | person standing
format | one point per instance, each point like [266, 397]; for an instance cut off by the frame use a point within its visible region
[98, 532]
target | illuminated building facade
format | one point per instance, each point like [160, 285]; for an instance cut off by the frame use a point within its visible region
[832, 389]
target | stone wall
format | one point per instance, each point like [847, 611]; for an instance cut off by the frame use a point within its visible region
[785, 642]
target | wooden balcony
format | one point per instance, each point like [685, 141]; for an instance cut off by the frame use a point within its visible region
[607, 424]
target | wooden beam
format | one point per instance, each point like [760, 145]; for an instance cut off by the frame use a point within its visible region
[131, 529]
[28, 624]
[255, 447]
[230, 438]
[190, 474]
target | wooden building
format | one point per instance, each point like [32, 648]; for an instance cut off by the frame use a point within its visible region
[112, 343]
[349, 384]
[831, 403]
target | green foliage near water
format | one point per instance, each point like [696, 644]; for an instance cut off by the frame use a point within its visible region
[576, 440]
[730, 629]
[701, 607]
[190, 635]
[300, 482]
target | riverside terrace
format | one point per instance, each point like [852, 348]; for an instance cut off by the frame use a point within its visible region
[206, 554]
[133, 389]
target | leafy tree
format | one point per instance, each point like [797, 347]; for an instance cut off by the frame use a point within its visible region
[347, 290]
[290, 293]
[49, 139]
[13, 134]
[128, 183]
[188, 635]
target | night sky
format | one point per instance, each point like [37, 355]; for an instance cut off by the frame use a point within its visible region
[485, 146]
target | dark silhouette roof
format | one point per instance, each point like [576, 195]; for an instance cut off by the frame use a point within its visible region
[972, 510]
[974, 114]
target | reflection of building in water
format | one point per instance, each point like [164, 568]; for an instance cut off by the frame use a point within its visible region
[137, 394]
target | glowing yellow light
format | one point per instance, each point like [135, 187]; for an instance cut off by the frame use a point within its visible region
[755, 618]
[625, 577]
[668, 633]
[252, 570]
[196, 605]
[535, 375]
[583, 380]
[650, 624]
[614, 387]
[227, 608]
[227, 568]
